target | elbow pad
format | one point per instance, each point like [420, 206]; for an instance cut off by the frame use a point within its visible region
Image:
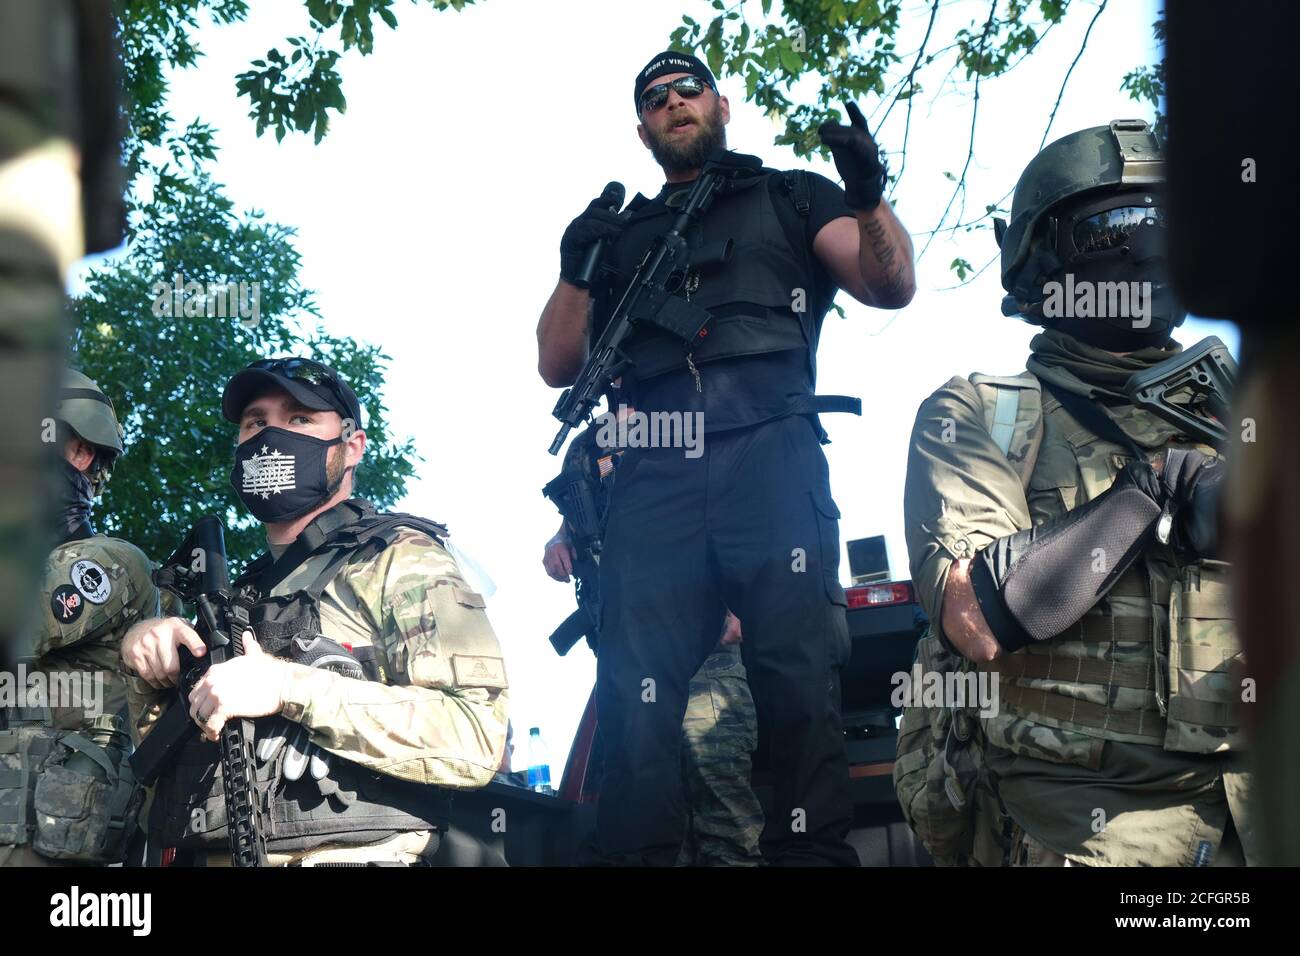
[1034, 584]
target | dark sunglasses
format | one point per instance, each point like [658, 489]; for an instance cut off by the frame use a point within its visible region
[303, 370]
[687, 87]
[300, 369]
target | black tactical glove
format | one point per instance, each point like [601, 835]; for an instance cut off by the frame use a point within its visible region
[598, 221]
[300, 752]
[1191, 480]
[856, 158]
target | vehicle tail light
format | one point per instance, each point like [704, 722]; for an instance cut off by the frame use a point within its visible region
[880, 595]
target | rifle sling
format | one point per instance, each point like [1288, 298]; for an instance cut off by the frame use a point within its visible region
[312, 538]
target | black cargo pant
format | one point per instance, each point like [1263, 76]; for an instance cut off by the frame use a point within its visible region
[749, 525]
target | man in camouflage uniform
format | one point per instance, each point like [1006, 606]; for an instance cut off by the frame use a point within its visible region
[719, 736]
[55, 807]
[720, 730]
[1063, 539]
[378, 679]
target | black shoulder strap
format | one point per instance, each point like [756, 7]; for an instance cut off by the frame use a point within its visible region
[347, 529]
[267, 572]
[795, 182]
[1094, 419]
[372, 534]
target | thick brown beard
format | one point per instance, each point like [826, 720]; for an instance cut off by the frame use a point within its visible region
[675, 158]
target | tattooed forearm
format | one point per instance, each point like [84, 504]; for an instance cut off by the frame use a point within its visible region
[895, 286]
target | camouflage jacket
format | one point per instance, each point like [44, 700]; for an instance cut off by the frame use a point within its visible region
[439, 714]
[94, 590]
[1102, 697]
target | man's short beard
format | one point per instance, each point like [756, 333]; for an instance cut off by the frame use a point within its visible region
[684, 157]
[335, 469]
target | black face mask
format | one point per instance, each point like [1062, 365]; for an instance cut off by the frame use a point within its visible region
[73, 502]
[1145, 268]
[280, 475]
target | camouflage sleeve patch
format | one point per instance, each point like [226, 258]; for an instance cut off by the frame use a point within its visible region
[94, 589]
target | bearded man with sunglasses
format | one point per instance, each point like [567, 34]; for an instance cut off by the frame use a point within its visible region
[748, 523]
[375, 676]
[1064, 539]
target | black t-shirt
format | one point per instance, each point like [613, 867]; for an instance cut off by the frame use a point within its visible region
[752, 389]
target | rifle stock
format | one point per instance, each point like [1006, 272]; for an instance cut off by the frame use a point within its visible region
[1203, 376]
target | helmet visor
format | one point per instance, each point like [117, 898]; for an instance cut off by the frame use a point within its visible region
[1112, 228]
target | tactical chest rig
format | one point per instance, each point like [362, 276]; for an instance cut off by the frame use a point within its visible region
[349, 804]
[752, 292]
[1157, 661]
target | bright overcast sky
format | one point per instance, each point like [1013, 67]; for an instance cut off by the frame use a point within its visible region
[430, 217]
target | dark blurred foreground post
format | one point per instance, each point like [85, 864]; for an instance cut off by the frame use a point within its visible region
[1233, 211]
[61, 186]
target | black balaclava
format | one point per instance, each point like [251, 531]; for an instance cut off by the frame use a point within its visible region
[73, 502]
[1140, 262]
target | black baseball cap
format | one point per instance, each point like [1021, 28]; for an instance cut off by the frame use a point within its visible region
[312, 384]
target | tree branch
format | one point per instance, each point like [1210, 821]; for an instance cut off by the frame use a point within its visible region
[974, 115]
[1060, 93]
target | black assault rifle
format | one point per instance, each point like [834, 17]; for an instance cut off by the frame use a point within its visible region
[649, 296]
[1191, 390]
[581, 500]
[197, 574]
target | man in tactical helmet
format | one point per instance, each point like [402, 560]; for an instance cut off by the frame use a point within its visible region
[67, 795]
[749, 523]
[1062, 538]
[377, 680]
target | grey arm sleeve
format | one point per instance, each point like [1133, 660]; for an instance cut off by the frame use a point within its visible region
[1034, 584]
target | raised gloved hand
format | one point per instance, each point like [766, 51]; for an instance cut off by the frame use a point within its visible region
[856, 158]
[598, 221]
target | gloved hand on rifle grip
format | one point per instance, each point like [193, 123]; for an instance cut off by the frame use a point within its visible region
[600, 220]
[857, 159]
[1191, 481]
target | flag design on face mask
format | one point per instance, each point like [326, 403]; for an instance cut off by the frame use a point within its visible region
[269, 473]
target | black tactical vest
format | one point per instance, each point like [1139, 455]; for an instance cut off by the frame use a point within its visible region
[351, 805]
[751, 296]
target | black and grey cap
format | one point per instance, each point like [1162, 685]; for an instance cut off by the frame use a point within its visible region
[313, 384]
[670, 61]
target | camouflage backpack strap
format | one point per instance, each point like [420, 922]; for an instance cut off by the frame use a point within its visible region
[1013, 414]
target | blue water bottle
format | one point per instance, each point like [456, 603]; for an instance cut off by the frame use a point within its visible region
[539, 765]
